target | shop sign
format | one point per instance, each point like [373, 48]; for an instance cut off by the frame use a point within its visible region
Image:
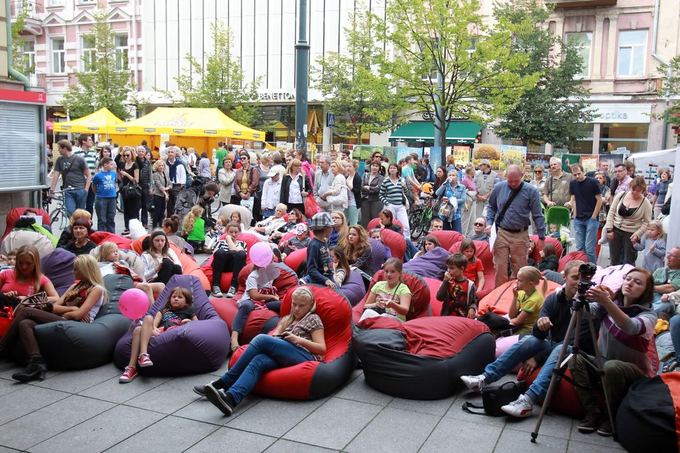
[275, 96]
[622, 113]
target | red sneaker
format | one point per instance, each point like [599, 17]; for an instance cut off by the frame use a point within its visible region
[128, 375]
[144, 360]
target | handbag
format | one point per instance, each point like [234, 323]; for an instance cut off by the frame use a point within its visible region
[130, 191]
[500, 325]
[37, 301]
[311, 207]
[493, 398]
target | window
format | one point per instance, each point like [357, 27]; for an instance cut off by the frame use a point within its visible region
[632, 45]
[87, 2]
[58, 56]
[582, 42]
[28, 50]
[632, 137]
[55, 3]
[88, 53]
[121, 43]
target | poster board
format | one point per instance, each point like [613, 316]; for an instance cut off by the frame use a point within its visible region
[513, 155]
[589, 163]
[487, 151]
[461, 154]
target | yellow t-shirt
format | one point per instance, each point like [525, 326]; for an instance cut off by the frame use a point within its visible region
[529, 304]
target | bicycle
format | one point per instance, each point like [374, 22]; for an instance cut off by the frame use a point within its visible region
[421, 216]
[58, 215]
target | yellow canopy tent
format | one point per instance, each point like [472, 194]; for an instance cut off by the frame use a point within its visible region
[188, 122]
[100, 122]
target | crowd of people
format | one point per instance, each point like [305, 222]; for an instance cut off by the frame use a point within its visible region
[325, 206]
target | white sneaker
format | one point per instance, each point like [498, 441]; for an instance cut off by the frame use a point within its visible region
[474, 382]
[521, 407]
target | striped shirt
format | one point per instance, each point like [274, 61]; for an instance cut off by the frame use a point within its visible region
[392, 192]
[91, 159]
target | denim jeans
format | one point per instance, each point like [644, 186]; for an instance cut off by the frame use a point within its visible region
[538, 389]
[106, 214]
[675, 334]
[74, 199]
[585, 234]
[524, 349]
[89, 201]
[245, 306]
[264, 353]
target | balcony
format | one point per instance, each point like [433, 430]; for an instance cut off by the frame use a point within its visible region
[581, 3]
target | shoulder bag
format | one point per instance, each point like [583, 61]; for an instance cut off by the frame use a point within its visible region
[511, 198]
[493, 398]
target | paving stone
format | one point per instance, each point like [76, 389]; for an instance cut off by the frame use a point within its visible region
[287, 446]
[553, 425]
[170, 396]
[593, 438]
[167, 435]
[456, 411]
[227, 439]
[101, 432]
[203, 411]
[274, 417]
[359, 390]
[7, 450]
[7, 386]
[49, 421]
[512, 441]
[77, 381]
[26, 400]
[434, 407]
[466, 436]
[583, 447]
[114, 391]
[334, 424]
[394, 430]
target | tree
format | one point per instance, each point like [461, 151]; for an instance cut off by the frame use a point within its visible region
[101, 83]
[20, 60]
[671, 88]
[221, 83]
[450, 64]
[555, 110]
[362, 97]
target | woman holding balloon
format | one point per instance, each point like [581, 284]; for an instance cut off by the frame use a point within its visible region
[81, 302]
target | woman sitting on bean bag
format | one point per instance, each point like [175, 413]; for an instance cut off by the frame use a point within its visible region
[81, 302]
[67, 233]
[229, 256]
[160, 261]
[357, 248]
[80, 244]
[298, 338]
[25, 279]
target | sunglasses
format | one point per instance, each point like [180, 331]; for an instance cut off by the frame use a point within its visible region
[538, 171]
[479, 224]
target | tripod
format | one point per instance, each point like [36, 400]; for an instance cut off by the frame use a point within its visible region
[573, 331]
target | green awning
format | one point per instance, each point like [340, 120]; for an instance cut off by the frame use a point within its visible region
[424, 130]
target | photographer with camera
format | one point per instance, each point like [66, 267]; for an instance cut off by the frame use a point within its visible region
[626, 334]
[546, 338]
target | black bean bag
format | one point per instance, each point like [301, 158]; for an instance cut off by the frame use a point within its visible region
[422, 358]
[648, 418]
[73, 345]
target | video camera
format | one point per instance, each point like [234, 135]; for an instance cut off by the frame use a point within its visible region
[586, 272]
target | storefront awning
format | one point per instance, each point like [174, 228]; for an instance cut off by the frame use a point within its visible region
[424, 130]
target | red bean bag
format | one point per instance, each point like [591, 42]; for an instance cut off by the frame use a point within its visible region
[571, 256]
[259, 321]
[420, 296]
[499, 300]
[395, 242]
[375, 223]
[422, 358]
[435, 304]
[225, 281]
[310, 380]
[483, 253]
[536, 254]
[296, 259]
[565, 400]
[447, 238]
[15, 213]
[104, 236]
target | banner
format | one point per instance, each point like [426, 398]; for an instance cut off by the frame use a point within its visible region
[461, 154]
[512, 154]
[487, 151]
[589, 163]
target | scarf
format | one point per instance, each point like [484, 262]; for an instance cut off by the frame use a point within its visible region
[76, 296]
[172, 169]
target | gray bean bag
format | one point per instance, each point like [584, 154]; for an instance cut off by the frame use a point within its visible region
[73, 345]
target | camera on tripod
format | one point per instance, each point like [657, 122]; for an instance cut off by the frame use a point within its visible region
[586, 272]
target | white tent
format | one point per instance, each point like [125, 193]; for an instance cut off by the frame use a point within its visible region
[663, 158]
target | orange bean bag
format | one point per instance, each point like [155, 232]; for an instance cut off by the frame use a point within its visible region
[486, 256]
[420, 296]
[104, 236]
[296, 259]
[571, 256]
[499, 300]
[395, 242]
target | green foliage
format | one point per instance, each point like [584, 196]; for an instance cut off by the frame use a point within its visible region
[362, 97]
[221, 84]
[105, 85]
[20, 61]
[671, 88]
[482, 76]
[555, 109]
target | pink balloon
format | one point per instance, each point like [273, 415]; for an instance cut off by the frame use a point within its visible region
[133, 303]
[261, 254]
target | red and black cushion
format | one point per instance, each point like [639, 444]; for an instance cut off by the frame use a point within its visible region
[420, 296]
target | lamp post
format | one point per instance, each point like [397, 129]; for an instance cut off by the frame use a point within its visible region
[301, 79]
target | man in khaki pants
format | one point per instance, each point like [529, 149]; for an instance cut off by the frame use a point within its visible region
[512, 205]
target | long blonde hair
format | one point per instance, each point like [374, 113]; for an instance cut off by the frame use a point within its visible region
[301, 291]
[190, 218]
[87, 266]
[32, 252]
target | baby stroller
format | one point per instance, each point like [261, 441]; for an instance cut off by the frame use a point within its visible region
[561, 217]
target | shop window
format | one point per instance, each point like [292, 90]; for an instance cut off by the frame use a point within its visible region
[583, 43]
[632, 52]
[632, 137]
